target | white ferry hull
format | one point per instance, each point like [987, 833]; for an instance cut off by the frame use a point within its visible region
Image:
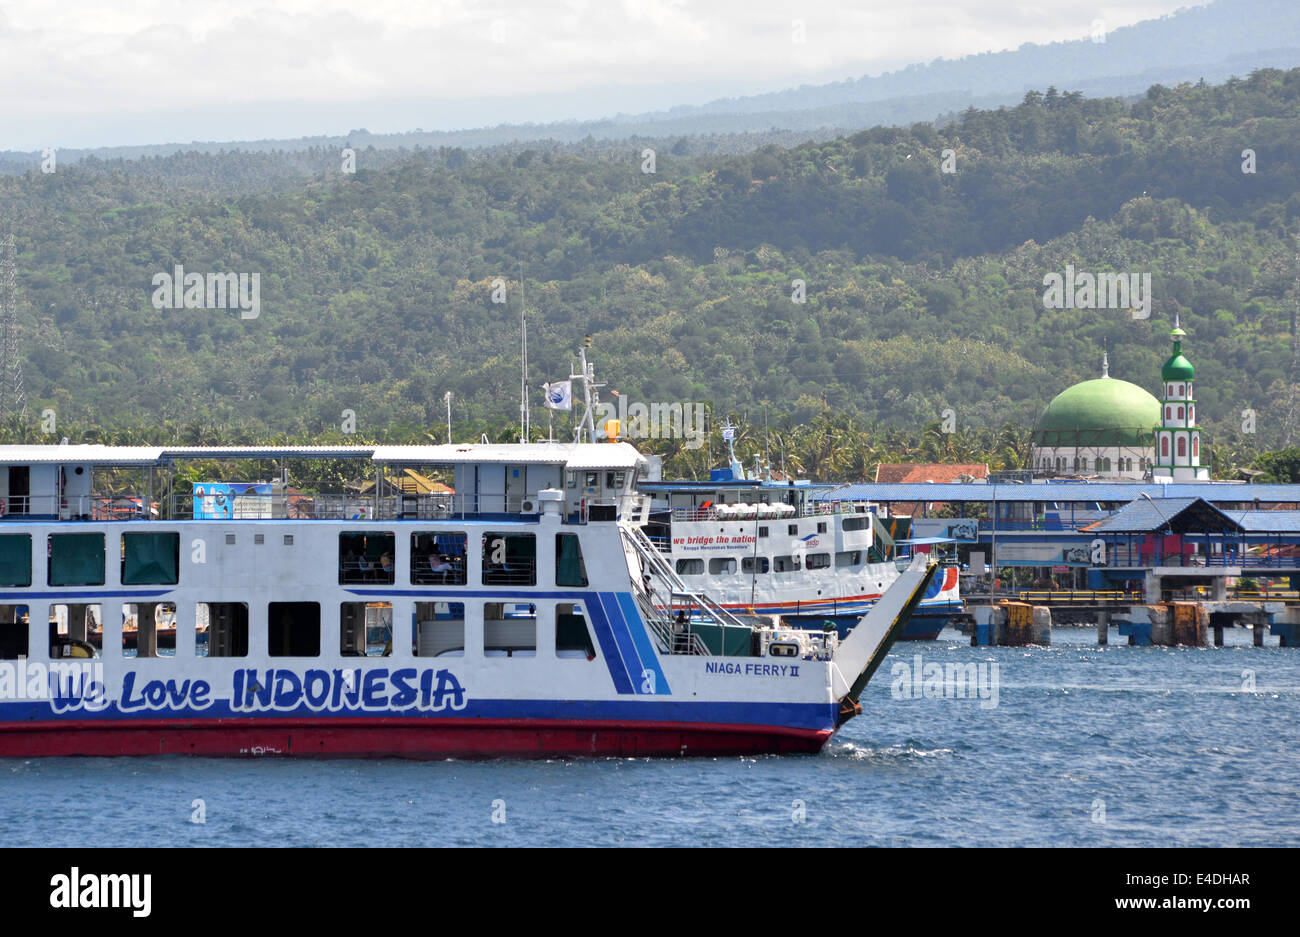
[290, 673]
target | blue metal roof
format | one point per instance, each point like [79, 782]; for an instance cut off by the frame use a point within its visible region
[1149, 515]
[1267, 522]
[1068, 492]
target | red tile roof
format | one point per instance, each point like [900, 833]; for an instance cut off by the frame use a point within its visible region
[911, 473]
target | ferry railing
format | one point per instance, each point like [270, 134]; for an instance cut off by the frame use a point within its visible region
[76, 507]
[1079, 597]
[659, 566]
[1131, 559]
[672, 637]
[763, 511]
[514, 573]
[303, 506]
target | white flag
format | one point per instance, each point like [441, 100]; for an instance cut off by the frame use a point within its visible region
[559, 396]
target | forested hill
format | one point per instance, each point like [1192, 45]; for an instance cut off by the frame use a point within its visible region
[924, 288]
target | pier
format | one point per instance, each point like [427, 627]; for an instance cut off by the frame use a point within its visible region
[1114, 553]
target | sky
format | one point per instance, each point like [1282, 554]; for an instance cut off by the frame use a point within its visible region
[81, 73]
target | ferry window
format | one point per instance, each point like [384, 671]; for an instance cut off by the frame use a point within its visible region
[151, 559]
[366, 629]
[762, 531]
[221, 629]
[821, 527]
[818, 561]
[722, 566]
[570, 570]
[593, 479]
[13, 632]
[848, 558]
[366, 556]
[15, 560]
[75, 631]
[76, 559]
[750, 564]
[509, 559]
[509, 629]
[438, 558]
[573, 479]
[148, 629]
[572, 636]
[690, 567]
[293, 629]
[792, 530]
[786, 564]
[609, 480]
[439, 629]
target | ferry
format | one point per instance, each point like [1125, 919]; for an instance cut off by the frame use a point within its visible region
[789, 549]
[523, 612]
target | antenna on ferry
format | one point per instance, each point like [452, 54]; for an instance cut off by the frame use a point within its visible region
[589, 383]
[729, 437]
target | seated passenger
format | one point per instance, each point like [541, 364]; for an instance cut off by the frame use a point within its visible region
[441, 567]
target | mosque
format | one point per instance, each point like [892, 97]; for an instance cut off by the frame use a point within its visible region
[1114, 430]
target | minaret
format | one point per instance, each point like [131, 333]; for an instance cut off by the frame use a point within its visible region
[1178, 441]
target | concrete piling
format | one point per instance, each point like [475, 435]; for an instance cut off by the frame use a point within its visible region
[1012, 624]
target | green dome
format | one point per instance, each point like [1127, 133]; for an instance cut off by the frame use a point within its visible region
[1177, 368]
[1101, 412]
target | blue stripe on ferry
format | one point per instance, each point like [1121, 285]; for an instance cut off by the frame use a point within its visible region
[635, 626]
[86, 594]
[618, 627]
[609, 647]
[791, 715]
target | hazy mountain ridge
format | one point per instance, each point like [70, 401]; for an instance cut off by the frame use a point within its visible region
[1214, 42]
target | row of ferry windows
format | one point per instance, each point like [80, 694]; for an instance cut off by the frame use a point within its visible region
[749, 565]
[79, 559]
[437, 558]
[294, 629]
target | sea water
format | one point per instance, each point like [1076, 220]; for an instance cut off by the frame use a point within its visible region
[1086, 745]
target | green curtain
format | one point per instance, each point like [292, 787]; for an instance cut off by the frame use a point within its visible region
[569, 568]
[76, 559]
[15, 560]
[151, 559]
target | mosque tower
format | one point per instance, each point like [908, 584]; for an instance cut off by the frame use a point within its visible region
[1178, 441]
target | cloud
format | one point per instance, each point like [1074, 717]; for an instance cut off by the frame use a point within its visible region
[62, 63]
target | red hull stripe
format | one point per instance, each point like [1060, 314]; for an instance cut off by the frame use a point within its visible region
[399, 737]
